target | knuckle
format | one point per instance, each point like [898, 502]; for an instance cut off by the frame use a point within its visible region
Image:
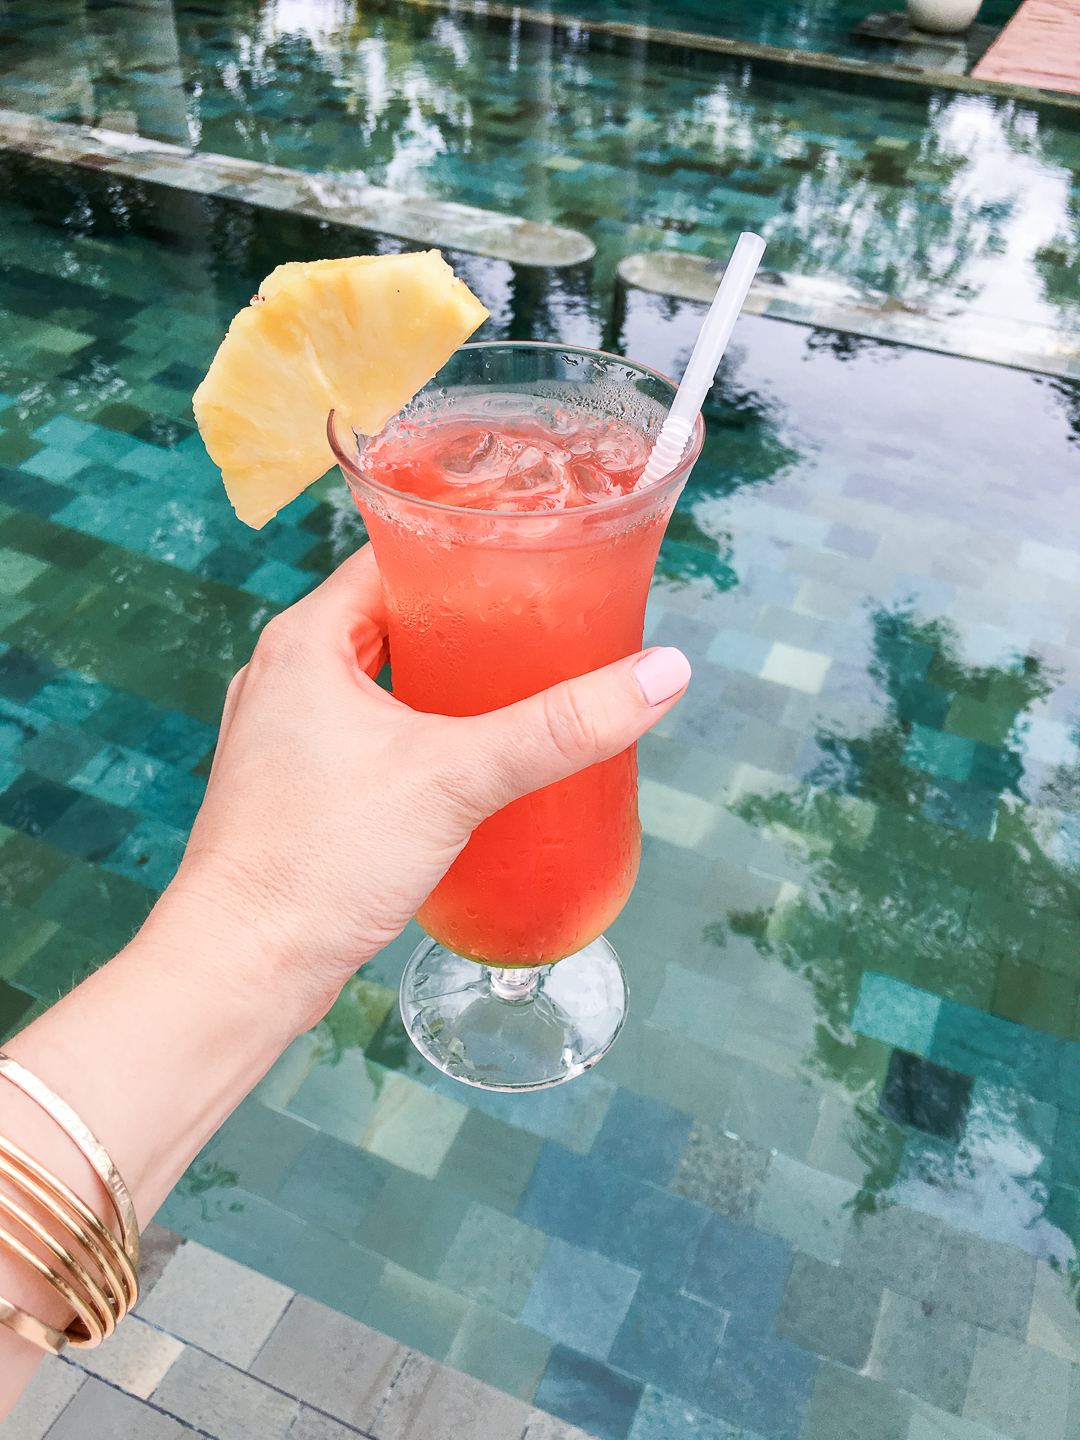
[278, 645]
[575, 730]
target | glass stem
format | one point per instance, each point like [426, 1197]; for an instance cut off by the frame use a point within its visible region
[515, 982]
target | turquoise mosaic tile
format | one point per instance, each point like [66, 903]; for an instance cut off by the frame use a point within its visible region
[897, 1013]
[817, 973]
[579, 1298]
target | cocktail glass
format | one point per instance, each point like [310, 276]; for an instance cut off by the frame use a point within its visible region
[517, 989]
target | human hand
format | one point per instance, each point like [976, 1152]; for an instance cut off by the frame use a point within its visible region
[333, 810]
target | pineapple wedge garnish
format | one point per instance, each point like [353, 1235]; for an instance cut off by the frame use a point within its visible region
[360, 336]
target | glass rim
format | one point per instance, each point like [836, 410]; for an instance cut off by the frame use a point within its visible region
[605, 506]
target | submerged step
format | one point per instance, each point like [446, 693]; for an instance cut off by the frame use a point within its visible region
[335, 198]
[945, 325]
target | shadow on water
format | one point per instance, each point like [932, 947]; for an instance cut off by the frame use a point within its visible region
[924, 861]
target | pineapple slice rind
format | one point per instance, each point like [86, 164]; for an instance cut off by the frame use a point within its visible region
[360, 335]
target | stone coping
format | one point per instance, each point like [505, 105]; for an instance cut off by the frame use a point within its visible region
[329, 197]
[220, 1351]
[805, 60]
[837, 305]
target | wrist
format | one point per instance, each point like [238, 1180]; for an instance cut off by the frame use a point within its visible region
[217, 929]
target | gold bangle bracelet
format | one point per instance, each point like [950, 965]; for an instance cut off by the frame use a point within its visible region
[90, 1146]
[54, 1197]
[103, 1307]
[36, 1331]
[94, 1329]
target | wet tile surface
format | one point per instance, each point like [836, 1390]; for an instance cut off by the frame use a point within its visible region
[640, 149]
[827, 1183]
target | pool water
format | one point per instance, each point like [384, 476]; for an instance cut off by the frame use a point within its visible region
[827, 1183]
[932, 197]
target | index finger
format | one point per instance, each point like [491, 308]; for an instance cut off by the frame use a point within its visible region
[348, 607]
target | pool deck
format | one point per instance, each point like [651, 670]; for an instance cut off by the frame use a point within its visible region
[335, 198]
[812, 65]
[834, 304]
[1040, 46]
[216, 1349]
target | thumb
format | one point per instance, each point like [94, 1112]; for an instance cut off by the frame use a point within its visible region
[523, 747]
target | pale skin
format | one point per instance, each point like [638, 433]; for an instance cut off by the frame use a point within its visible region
[331, 813]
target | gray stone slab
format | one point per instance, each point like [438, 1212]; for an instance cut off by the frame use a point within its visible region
[98, 1412]
[310, 1425]
[923, 1352]
[1020, 1390]
[157, 1246]
[987, 1283]
[429, 1401]
[53, 1387]
[331, 1361]
[838, 305]
[542, 1426]
[215, 1303]
[829, 1310]
[135, 1357]
[212, 1396]
[896, 1247]
[722, 1172]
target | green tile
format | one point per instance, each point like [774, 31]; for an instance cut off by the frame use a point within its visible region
[924, 1351]
[96, 902]
[340, 1094]
[829, 1310]
[14, 1004]
[55, 544]
[493, 1349]
[413, 1222]
[846, 1406]
[415, 1311]
[61, 963]
[18, 570]
[23, 933]
[27, 868]
[15, 447]
[413, 1127]
[1034, 996]
[493, 1259]
[809, 1208]
[261, 1145]
[490, 1161]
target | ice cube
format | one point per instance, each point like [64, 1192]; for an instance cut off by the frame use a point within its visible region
[592, 480]
[536, 471]
[467, 454]
[621, 451]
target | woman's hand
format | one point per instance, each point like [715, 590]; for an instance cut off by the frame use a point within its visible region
[333, 810]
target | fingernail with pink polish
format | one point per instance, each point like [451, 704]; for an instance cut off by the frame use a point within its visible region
[661, 674]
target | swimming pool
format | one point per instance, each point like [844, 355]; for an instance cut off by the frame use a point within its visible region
[959, 200]
[827, 1182]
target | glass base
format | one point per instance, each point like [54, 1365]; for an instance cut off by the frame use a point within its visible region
[514, 1029]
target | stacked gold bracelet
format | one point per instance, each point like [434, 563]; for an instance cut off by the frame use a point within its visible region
[100, 1301]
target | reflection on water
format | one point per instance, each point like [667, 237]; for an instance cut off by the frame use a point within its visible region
[911, 834]
[952, 198]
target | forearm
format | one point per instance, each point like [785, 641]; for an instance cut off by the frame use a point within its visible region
[153, 1052]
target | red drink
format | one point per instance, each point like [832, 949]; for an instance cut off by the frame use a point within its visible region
[547, 874]
[516, 552]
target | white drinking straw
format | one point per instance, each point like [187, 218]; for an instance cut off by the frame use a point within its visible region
[711, 344]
